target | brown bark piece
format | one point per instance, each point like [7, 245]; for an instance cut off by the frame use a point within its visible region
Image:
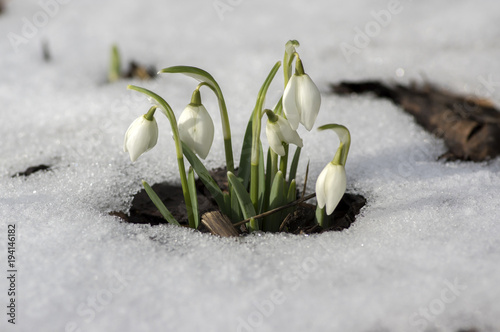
[469, 126]
[219, 224]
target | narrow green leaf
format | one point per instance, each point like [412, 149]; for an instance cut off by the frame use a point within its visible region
[243, 197]
[246, 155]
[205, 177]
[262, 180]
[115, 66]
[276, 198]
[159, 204]
[227, 203]
[294, 165]
[269, 180]
[292, 192]
[256, 129]
[291, 197]
[236, 214]
[194, 197]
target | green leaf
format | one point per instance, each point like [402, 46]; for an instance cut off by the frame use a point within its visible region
[194, 197]
[294, 165]
[206, 178]
[159, 204]
[277, 198]
[257, 112]
[256, 129]
[292, 192]
[115, 66]
[246, 205]
[268, 180]
[236, 214]
[246, 155]
[262, 180]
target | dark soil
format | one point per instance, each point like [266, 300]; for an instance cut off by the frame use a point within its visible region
[469, 126]
[300, 221]
[32, 169]
[136, 70]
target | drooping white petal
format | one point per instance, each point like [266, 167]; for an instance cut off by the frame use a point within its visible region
[320, 187]
[274, 139]
[335, 185]
[290, 105]
[141, 136]
[196, 129]
[289, 135]
[309, 100]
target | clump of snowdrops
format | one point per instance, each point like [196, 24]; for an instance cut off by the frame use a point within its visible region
[263, 181]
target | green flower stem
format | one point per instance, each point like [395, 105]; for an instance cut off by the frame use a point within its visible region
[167, 110]
[256, 129]
[284, 161]
[321, 217]
[274, 165]
[337, 159]
[288, 58]
[205, 77]
[345, 142]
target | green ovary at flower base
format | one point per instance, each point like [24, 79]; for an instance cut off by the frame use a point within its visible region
[196, 127]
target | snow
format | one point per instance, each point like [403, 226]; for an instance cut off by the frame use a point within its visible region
[422, 256]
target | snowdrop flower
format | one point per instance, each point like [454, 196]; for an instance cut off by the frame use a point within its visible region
[330, 186]
[196, 128]
[142, 135]
[301, 99]
[278, 131]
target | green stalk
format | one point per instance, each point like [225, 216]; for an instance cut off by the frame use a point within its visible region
[345, 141]
[288, 58]
[284, 161]
[256, 129]
[167, 110]
[203, 76]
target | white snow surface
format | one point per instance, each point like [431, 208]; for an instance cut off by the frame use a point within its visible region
[423, 255]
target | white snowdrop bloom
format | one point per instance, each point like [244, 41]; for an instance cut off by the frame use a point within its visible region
[140, 137]
[301, 101]
[196, 129]
[330, 186]
[278, 131]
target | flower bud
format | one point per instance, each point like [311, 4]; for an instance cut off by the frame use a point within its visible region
[196, 128]
[330, 186]
[278, 131]
[301, 100]
[140, 137]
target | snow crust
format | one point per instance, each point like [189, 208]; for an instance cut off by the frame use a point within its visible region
[422, 256]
